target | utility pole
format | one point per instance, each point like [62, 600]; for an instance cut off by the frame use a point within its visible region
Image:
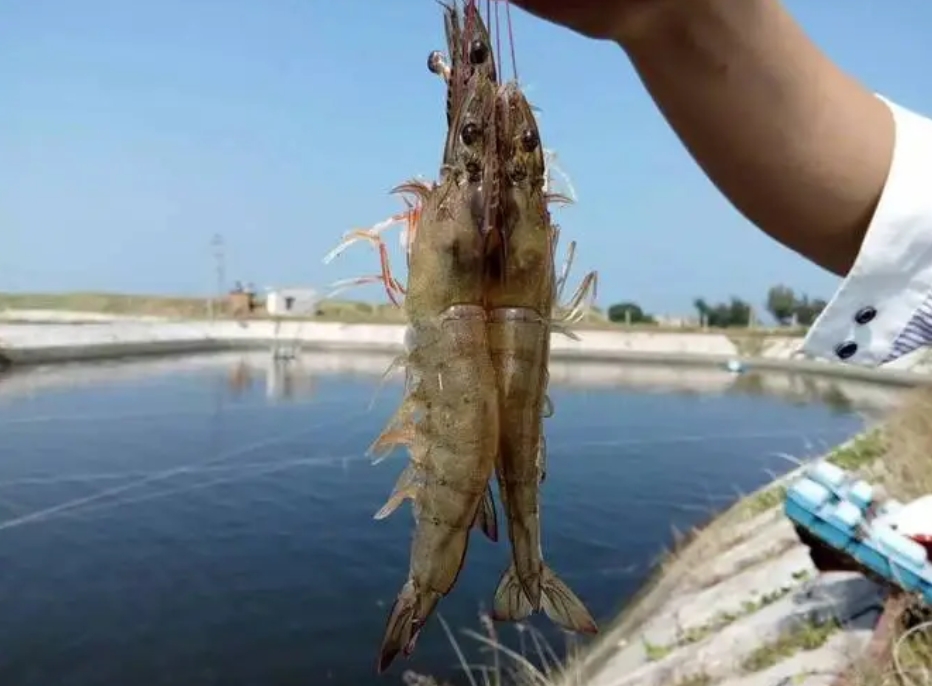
[219, 254]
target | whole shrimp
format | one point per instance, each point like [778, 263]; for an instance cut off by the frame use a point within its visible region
[520, 302]
[453, 424]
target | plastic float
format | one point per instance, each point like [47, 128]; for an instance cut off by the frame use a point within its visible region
[884, 537]
[735, 366]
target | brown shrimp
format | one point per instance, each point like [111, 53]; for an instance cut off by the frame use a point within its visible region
[450, 414]
[520, 303]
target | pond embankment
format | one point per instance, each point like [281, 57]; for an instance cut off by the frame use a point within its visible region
[42, 343]
[741, 604]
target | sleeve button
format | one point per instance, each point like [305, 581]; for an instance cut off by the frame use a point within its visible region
[846, 349]
[865, 315]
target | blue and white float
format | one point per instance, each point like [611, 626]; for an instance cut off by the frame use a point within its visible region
[843, 511]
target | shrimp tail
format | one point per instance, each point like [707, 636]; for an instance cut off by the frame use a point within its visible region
[411, 609]
[562, 606]
[555, 598]
[511, 603]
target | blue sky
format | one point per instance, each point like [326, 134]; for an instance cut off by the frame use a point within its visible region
[131, 132]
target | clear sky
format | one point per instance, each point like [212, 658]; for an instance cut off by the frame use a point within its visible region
[131, 132]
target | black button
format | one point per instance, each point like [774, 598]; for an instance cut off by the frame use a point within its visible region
[865, 315]
[846, 349]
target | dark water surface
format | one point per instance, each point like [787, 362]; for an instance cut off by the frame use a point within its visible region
[207, 521]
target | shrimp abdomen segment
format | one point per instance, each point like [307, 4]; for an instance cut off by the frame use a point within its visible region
[520, 345]
[455, 441]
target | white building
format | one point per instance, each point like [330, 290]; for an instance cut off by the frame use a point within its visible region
[292, 302]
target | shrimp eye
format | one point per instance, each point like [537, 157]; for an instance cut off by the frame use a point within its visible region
[470, 134]
[529, 140]
[435, 61]
[478, 52]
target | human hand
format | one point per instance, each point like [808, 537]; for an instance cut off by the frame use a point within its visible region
[605, 19]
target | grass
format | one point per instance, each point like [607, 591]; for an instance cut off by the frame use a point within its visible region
[654, 652]
[760, 502]
[724, 619]
[697, 634]
[329, 310]
[108, 303]
[806, 636]
[906, 473]
[910, 661]
[906, 470]
[912, 655]
[858, 454]
[533, 663]
[185, 307]
[697, 679]
[861, 452]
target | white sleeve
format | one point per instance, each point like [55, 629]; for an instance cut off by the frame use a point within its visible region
[883, 308]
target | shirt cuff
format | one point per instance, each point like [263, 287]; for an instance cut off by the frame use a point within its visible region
[872, 318]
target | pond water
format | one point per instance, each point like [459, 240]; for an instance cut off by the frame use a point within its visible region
[209, 520]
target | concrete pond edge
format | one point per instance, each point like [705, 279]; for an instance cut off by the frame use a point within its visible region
[27, 344]
[738, 602]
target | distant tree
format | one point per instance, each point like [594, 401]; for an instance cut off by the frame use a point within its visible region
[782, 304]
[736, 312]
[739, 312]
[807, 311]
[629, 312]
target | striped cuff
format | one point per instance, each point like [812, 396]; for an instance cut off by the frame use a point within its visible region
[883, 308]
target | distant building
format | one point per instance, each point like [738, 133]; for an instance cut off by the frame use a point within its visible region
[292, 302]
[239, 304]
[674, 321]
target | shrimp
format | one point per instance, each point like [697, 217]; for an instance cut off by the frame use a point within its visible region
[451, 417]
[520, 303]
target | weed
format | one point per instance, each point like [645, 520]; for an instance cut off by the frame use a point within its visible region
[805, 636]
[655, 652]
[760, 502]
[697, 679]
[859, 453]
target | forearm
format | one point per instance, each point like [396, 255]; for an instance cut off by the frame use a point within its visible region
[799, 148]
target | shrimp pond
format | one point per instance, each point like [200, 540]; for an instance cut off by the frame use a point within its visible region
[208, 520]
